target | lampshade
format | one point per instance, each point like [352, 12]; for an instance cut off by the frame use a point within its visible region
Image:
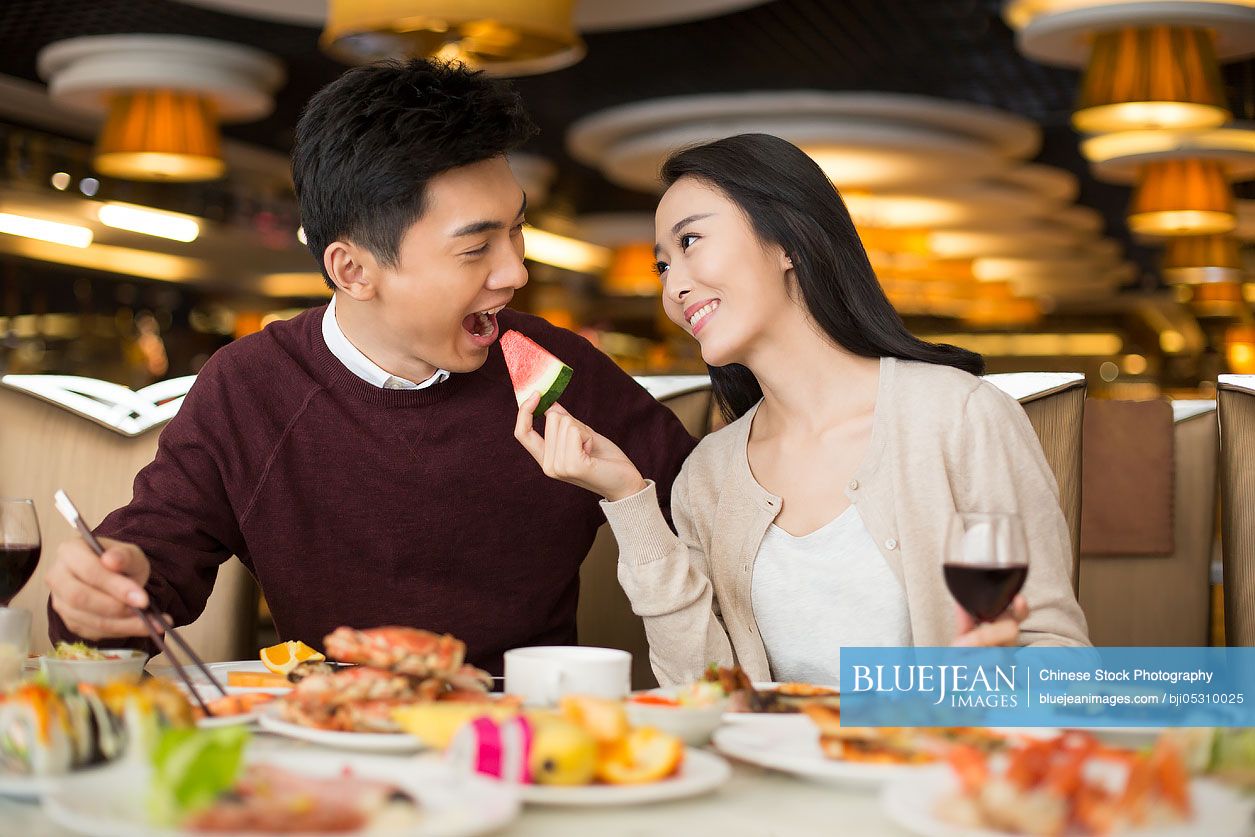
[160, 135]
[1182, 197]
[1195, 259]
[1217, 299]
[502, 36]
[632, 271]
[1153, 77]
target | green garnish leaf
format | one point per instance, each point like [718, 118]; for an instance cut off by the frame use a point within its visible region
[191, 769]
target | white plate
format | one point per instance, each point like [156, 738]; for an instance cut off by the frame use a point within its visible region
[700, 773]
[368, 742]
[111, 803]
[220, 671]
[911, 803]
[33, 787]
[793, 747]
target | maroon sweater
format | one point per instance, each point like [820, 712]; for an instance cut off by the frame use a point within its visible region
[355, 505]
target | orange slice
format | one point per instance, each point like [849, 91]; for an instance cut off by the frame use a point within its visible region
[286, 656]
[604, 719]
[645, 755]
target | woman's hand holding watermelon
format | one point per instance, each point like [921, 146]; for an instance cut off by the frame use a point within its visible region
[573, 452]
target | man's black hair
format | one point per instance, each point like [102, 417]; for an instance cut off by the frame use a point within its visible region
[368, 143]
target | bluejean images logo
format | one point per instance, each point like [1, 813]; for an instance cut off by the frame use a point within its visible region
[1048, 687]
[973, 686]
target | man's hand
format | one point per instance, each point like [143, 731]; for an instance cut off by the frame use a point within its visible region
[94, 596]
[573, 452]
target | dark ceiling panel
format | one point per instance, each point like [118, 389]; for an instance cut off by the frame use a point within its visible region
[957, 49]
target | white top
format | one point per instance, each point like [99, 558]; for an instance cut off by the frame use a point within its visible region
[362, 366]
[814, 594]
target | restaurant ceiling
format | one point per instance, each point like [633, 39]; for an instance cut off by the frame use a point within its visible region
[958, 49]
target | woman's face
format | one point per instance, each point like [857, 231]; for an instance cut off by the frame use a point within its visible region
[720, 282]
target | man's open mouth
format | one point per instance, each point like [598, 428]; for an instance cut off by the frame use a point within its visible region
[482, 325]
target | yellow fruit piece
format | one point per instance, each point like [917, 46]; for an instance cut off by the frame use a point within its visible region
[258, 680]
[605, 720]
[645, 755]
[286, 656]
[562, 753]
[435, 724]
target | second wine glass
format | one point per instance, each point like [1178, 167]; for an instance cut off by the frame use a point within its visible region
[986, 562]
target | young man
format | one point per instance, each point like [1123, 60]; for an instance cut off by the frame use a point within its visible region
[359, 458]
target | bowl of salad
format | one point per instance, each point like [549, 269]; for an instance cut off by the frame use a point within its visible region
[76, 662]
[691, 712]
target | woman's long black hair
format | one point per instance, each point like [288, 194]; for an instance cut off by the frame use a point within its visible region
[791, 203]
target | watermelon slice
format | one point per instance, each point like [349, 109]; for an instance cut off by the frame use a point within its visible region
[532, 369]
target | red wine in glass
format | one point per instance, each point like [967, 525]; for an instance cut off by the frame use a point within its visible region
[986, 563]
[985, 591]
[19, 546]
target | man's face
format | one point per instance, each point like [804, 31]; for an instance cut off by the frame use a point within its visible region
[457, 266]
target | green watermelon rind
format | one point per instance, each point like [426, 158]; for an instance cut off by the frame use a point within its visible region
[554, 391]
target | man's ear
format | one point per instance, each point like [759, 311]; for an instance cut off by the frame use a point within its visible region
[352, 268]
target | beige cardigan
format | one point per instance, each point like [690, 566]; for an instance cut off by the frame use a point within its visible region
[942, 441]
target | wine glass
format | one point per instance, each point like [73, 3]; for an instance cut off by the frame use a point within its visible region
[986, 562]
[19, 546]
[19, 554]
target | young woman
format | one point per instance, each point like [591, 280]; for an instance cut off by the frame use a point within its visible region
[818, 516]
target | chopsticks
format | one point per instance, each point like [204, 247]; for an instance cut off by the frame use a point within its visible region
[153, 619]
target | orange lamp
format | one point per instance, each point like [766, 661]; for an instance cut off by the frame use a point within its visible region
[1152, 78]
[1182, 197]
[160, 135]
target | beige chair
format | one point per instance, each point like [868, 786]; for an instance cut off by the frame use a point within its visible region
[1054, 402]
[1164, 599]
[1237, 490]
[93, 448]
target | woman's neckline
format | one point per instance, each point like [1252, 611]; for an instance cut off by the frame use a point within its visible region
[871, 457]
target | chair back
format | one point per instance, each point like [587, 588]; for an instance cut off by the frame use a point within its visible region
[1171, 592]
[1055, 404]
[1236, 394]
[93, 448]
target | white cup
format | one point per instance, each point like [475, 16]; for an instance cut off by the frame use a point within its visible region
[15, 631]
[542, 674]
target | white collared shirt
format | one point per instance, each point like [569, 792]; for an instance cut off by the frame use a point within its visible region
[362, 366]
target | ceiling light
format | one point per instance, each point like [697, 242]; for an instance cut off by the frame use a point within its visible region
[504, 37]
[141, 219]
[54, 232]
[160, 135]
[1182, 197]
[1195, 259]
[566, 253]
[163, 97]
[1150, 78]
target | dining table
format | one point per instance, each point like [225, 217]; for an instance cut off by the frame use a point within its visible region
[754, 801]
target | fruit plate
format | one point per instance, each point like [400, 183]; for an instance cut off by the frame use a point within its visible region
[700, 773]
[111, 802]
[912, 804]
[268, 717]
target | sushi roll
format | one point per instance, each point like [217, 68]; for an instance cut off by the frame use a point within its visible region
[35, 732]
